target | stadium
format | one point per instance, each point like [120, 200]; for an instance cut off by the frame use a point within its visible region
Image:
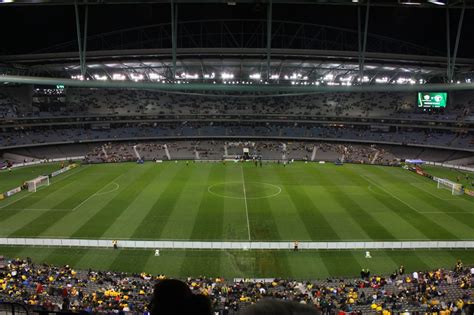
[319, 153]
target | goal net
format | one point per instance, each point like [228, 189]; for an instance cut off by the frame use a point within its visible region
[34, 184]
[455, 188]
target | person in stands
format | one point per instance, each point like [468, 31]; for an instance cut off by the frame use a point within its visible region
[275, 307]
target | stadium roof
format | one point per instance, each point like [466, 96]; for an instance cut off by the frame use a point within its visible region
[232, 43]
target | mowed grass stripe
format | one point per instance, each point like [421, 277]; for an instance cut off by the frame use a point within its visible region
[340, 263]
[182, 219]
[209, 221]
[438, 203]
[11, 220]
[97, 224]
[48, 218]
[130, 260]
[235, 217]
[425, 224]
[17, 176]
[54, 196]
[358, 214]
[310, 215]
[126, 223]
[157, 217]
[302, 265]
[261, 215]
[30, 200]
[437, 209]
[380, 209]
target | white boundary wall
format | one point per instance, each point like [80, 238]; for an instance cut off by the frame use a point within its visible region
[458, 167]
[236, 245]
[48, 161]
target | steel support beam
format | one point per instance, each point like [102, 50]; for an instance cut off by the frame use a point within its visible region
[174, 26]
[458, 36]
[269, 37]
[264, 88]
[359, 42]
[448, 47]
[81, 43]
[79, 37]
[364, 44]
[84, 47]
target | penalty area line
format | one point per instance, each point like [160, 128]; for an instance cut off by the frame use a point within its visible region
[98, 192]
[29, 194]
[389, 193]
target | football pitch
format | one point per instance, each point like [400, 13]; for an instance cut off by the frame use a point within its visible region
[239, 202]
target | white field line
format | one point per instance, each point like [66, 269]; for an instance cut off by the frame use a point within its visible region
[418, 185]
[421, 212]
[44, 187]
[38, 209]
[447, 212]
[117, 186]
[245, 201]
[97, 193]
[388, 192]
[420, 181]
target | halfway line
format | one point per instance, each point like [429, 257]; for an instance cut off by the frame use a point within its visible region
[245, 201]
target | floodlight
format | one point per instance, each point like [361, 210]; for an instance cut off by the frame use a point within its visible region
[136, 77]
[118, 77]
[100, 78]
[381, 80]
[255, 76]
[226, 75]
[155, 76]
[409, 2]
[77, 77]
[328, 77]
[438, 2]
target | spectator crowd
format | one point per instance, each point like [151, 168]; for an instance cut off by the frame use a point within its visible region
[53, 288]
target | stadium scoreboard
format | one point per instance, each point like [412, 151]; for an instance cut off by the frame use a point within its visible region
[432, 99]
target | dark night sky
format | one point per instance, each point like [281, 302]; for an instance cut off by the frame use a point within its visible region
[26, 29]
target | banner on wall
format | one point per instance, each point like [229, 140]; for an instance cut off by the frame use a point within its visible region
[13, 192]
[469, 192]
[64, 169]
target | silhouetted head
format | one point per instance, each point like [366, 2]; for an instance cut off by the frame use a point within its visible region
[172, 296]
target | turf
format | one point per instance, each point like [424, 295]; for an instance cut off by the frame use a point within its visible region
[17, 176]
[211, 201]
[238, 201]
[231, 264]
[451, 174]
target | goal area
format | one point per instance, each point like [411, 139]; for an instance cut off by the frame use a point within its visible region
[39, 181]
[455, 188]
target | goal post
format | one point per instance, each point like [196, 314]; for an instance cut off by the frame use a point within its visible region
[455, 188]
[39, 181]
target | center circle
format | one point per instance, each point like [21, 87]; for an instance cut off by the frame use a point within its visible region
[251, 190]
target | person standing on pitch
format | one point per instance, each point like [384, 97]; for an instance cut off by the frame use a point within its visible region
[295, 246]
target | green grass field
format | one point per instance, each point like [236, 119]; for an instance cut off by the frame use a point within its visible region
[451, 175]
[17, 176]
[212, 201]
